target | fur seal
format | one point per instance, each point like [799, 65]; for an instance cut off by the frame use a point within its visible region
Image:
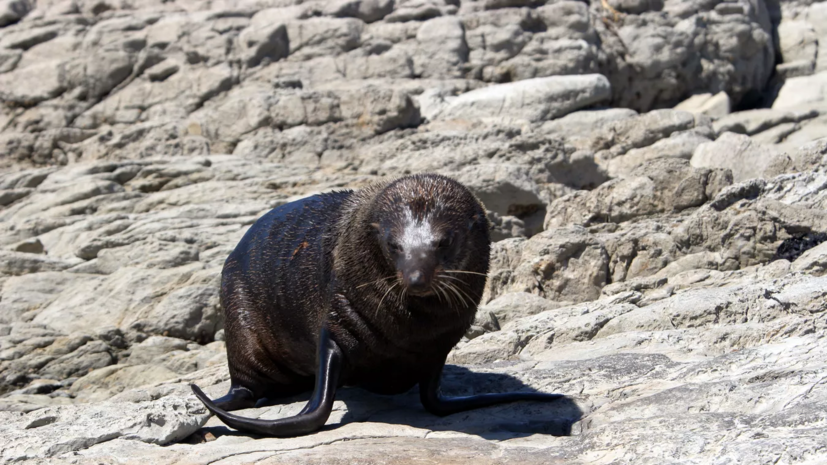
[368, 288]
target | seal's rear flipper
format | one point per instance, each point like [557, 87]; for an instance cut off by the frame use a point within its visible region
[311, 418]
[237, 398]
[433, 401]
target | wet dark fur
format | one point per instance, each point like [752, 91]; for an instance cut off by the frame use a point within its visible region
[306, 264]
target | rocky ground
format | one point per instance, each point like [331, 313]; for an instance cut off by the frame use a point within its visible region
[655, 171]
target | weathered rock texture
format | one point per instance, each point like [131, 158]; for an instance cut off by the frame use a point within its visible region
[664, 268]
[114, 80]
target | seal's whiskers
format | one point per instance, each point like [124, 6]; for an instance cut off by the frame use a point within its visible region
[374, 282]
[383, 298]
[463, 271]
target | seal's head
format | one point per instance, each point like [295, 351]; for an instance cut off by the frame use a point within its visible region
[431, 230]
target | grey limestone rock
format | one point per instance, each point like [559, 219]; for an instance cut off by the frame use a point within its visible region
[678, 145]
[504, 189]
[657, 55]
[738, 153]
[657, 186]
[586, 122]
[816, 14]
[378, 109]
[121, 308]
[663, 277]
[417, 10]
[804, 92]
[162, 70]
[18, 263]
[798, 43]
[804, 133]
[8, 196]
[103, 383]
[638, 131]
[809, 157]
[12, 11]
[515, 305]
[32, 84]
[714, 106]
[263, 39]
[752, 122]
[29, 246]
[368, 11]
[9, 60]
[58, 430]
[314, 37]
[812, 261]
[188, 312]
[554, 260]
[440, 48]
[532, 100]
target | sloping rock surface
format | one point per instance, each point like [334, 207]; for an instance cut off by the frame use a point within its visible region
[663, 268]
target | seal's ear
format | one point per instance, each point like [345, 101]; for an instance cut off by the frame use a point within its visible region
[474, 219]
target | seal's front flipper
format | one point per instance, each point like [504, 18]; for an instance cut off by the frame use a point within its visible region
[314, 415]
[433, 401]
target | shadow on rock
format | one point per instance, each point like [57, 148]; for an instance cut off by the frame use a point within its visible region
[517, 419]
[514, 420]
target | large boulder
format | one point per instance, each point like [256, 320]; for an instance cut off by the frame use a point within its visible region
[664, 51]
[657, 186]
[531, 100]
[745, 158]
[560, 264]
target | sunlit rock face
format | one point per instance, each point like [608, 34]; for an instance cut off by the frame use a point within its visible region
[654, 173]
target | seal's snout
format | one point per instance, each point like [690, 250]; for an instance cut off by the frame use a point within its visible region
[416, 280]
[417, 276]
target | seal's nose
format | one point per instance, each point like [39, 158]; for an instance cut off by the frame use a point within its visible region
[417, 268]
[416, 280]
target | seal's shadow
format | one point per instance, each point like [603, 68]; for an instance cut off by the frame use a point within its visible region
[517, 419]
[504, 421]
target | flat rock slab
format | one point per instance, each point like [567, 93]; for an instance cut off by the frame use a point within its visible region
[531, 100]
[365, 450]
[734, 371]
[58, 430]
[803, 92]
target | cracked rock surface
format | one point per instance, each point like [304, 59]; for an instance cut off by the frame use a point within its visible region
[655, 173]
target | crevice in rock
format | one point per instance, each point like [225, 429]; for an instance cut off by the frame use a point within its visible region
[800, 242]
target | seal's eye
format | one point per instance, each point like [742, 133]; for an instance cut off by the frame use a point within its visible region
[393, 247]
[444, 243]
